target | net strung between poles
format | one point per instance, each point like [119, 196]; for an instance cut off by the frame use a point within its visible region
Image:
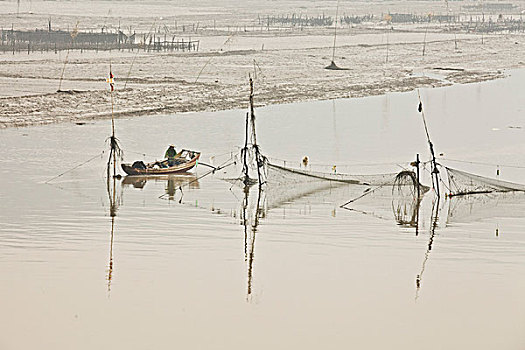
[282, 174]
[464, 183]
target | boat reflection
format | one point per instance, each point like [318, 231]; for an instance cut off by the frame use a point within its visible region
[173, 182]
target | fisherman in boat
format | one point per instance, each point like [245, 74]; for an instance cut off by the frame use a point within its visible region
[170, 155]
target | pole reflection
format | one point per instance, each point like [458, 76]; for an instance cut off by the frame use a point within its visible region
[252, 212]
[114, 202]
[434, 222]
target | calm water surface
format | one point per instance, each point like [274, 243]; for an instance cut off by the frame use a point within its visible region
[179, 269]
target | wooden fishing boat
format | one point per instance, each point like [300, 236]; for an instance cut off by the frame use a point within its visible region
[185, 160]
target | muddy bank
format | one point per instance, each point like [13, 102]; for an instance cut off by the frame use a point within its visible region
[286, 68]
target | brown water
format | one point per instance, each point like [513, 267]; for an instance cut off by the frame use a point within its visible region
[186, 273]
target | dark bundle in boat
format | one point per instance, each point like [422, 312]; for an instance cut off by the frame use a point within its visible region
[184, 161]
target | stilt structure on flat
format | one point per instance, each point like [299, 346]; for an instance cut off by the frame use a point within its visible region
[332, 65]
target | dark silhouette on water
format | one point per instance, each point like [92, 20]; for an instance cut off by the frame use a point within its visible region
[434, 220]
[114, 202]
[250, 221]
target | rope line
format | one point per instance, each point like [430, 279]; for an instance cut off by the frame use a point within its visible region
[366, 193]
[138, 50]
[482, 163]
[337, 163]
[222, 166]
[440, 178]
[76, 167]
[228, 40]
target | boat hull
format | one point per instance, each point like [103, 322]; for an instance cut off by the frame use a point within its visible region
[150, 170]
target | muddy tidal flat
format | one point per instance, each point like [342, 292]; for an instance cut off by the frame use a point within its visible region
[287, 62]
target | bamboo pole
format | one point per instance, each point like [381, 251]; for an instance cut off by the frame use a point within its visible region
[254, 136]
[113, 134]
[245, 152]
[435, 170]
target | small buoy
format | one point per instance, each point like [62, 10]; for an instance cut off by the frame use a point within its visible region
[305, 161]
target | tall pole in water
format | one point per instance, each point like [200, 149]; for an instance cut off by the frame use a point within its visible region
[112, 192]
[246, 179]
[112, 123]
[260, 160]
[254, 136]
[113, 141]
[435, 171]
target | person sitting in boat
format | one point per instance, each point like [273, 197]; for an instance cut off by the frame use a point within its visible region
[170, 155]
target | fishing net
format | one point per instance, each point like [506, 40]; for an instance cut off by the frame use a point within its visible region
[281, 194]
[406, 199]
[390, 194]
[281, 185]
[398, 201]
[280, 174]
[463, 183]
[379, 195]
[472, 208]
[248, 161]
